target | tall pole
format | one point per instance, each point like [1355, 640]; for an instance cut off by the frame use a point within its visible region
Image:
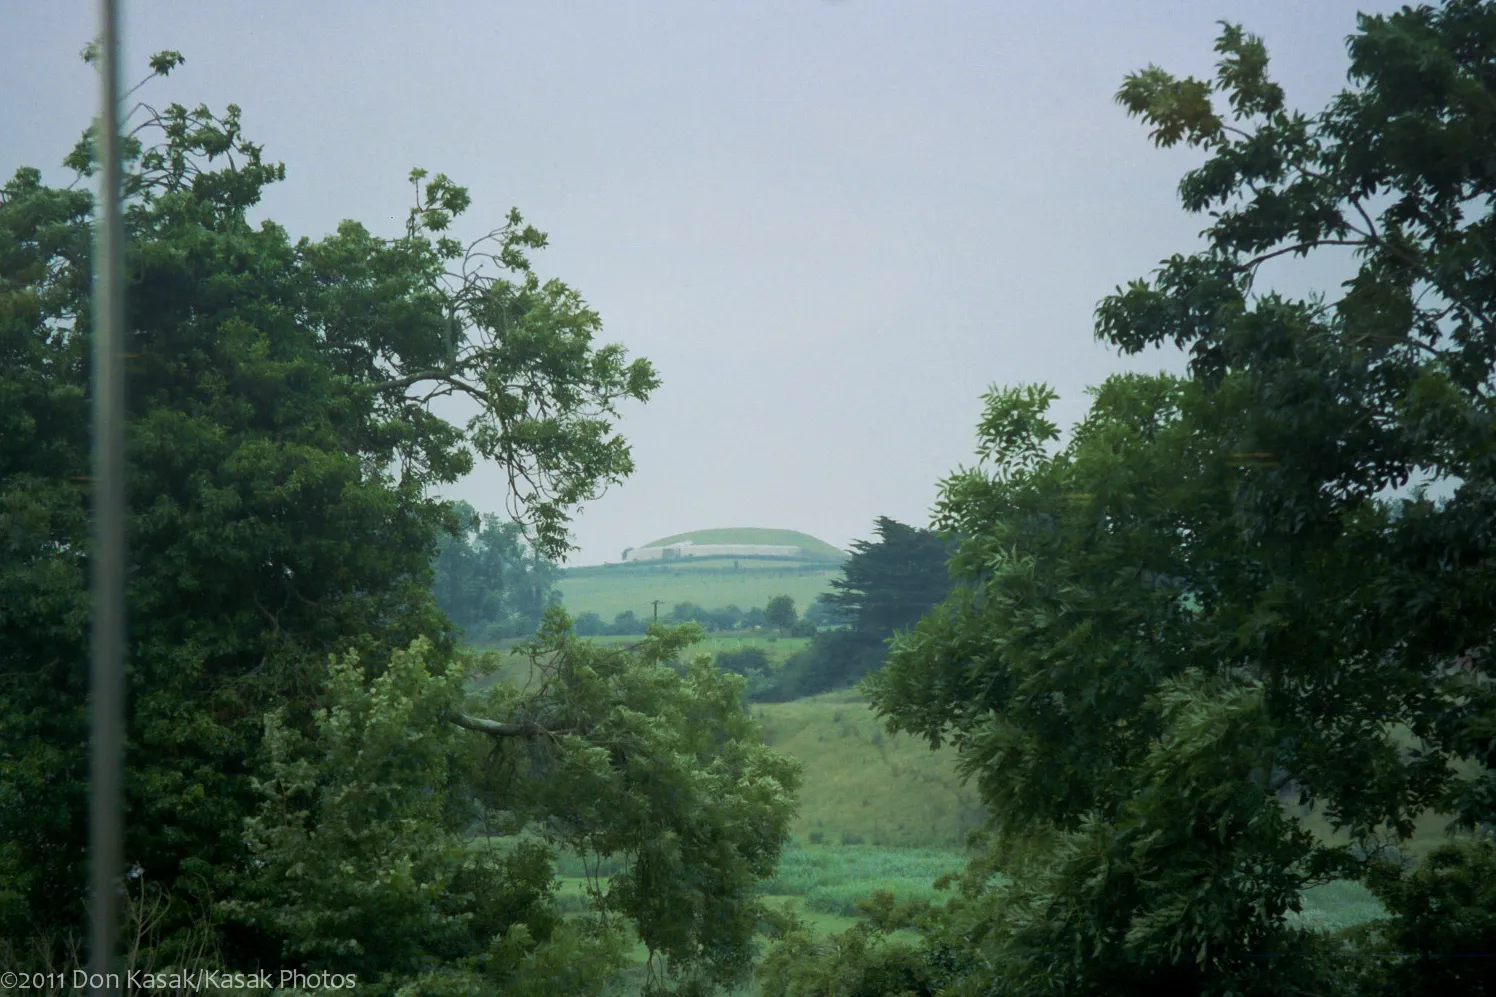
[108, 562]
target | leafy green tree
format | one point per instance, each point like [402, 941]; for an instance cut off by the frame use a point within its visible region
[618, 754]
[282, 451]
[885, 586]
[687, 612]
[626, 624]
[862, 961]
[743, 660]
[590, 625]
[1226, 585]
[779, 612]
[488, 580]
[364, 859]
[889, 583]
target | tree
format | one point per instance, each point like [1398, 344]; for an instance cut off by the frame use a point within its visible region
[687, 612]
[885, 586]
[889, 583]
[1226, 584]
[488, 580]
[589, 625]
[743, 661]
[281, 454]
[779, 612]
[364, 857]
[626, 623]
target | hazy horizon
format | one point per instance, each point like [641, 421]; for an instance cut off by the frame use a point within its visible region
[830, 226]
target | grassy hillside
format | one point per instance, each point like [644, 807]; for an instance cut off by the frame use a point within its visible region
[755, 535]
[608, 591]
[778, 649]
[864, 785]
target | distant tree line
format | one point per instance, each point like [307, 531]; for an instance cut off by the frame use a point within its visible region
[778, 613]
[488, 579]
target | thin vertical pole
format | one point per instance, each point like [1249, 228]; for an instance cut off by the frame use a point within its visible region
[108, 562]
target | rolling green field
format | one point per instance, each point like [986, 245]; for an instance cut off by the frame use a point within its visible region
[712, 584]
[778, 649]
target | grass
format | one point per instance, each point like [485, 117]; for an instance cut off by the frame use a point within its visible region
[864, 785]
[1337, 905]
[832, 879]
[712, 585]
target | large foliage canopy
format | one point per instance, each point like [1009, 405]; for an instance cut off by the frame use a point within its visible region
[297, 792]
[1268, 578]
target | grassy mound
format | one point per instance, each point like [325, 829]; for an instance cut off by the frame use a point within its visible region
[756, 535]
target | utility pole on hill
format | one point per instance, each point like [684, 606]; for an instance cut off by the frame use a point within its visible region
[657, 609]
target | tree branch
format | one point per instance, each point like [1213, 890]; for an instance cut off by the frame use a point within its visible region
[1299, 247]
[446, 376]
[494, 728]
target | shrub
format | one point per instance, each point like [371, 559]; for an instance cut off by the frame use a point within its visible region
[743, 660]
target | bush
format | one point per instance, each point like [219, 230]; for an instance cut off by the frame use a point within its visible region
[743, 660]
[1443, 924]
[590, 625]
[626, 624]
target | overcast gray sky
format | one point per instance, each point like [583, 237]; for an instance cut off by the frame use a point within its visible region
[831, 226]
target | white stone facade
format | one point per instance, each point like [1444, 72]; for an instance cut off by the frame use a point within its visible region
[687, 549]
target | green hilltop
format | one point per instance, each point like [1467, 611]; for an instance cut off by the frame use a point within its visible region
[756, 535]
[710, 582]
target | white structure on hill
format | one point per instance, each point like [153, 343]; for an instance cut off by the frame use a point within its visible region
[686, 549]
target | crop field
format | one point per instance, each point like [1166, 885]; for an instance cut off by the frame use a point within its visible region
[712, 584]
